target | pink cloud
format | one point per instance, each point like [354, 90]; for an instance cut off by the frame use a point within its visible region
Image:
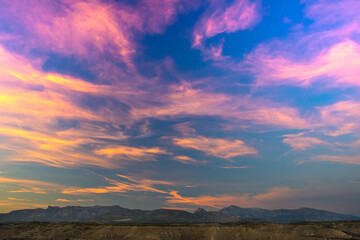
[333, 12]
[183, 99]
[267, 199]
[299, 142]
[157, 15]
[330, 50]
[241, 15]
[339, 65]
[355, 160]
[221, 148]
[342, 115]
[75, 27]
[25, 124]
[89, 29]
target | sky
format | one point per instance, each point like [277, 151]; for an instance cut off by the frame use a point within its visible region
[180, 104]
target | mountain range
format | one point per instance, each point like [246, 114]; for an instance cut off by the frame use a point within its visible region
[117, 214]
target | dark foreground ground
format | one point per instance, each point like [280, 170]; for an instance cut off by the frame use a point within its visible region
[248, 231]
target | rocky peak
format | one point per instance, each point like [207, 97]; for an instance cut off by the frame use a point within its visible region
[200, 211]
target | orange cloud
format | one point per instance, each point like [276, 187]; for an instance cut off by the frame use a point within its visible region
[26, 115]
[184, 159]
[130, 153]
[25, 124]
[131, 184]
[16, 199]
[29, 190]
[29, 186]
[215, 146]
[77, 200]
[6, 206]
[26, 182]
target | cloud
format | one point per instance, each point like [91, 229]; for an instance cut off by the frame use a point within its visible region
[131, 153]
[355, 160]
[6, 206]
[337, 65]
[88, 30]
[243, 200]
[32, 102]
[183, 99]
[342, 115]
[216, 147]
[26, 182]
[29, 186]
[32, 137]
[29, 190]
[333, 12]
[16, 199]
[299, 142]
[328, 51]
[185, 159]
[122, 186]
[76, 200]
[235, 167]
[92, 25]
[241, 15]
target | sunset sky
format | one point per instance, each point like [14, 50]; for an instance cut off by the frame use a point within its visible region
[180, 104]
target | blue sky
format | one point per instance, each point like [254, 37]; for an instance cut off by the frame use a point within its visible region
[180, 104]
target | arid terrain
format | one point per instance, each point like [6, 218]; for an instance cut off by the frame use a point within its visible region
[248, 231]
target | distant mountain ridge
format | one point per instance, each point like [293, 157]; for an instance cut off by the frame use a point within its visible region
[117, 214]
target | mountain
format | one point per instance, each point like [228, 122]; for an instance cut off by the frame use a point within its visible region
[117, 214]
[59, 214]
[286, 215]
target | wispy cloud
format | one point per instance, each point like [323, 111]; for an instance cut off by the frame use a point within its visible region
[131, 153]
[333, 158]
[300, 142]
[122, 186]
[235, 167]
[96, 27]
[184, 99]
[189, 160]
[327, 65]
[76, 200]
[29, 186]
[217, 147]
[240, 15]
[224, 200]
[16, 199]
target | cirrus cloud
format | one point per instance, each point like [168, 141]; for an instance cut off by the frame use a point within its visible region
[217, 147]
